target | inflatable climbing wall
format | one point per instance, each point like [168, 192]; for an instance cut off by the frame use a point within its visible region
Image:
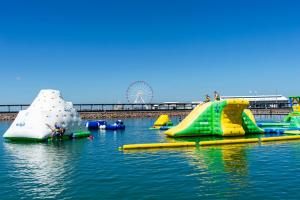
[38, 120]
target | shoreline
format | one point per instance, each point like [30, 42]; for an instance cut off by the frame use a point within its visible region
[145, 114]
[112, 115]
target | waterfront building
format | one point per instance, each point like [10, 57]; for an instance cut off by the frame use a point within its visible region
[263, 101]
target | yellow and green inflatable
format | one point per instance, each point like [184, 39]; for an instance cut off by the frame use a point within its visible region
[224, 118]
[163, 120]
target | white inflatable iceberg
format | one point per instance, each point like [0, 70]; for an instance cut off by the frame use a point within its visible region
[38, 121]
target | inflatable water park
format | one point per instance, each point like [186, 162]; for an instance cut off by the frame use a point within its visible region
[227, 118]
[48, 116]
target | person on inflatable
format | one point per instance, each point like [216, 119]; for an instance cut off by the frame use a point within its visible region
[207, 98]
[217, 96]
[58, 131]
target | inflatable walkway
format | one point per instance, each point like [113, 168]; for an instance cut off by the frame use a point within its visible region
[291, 123]
[224, 118]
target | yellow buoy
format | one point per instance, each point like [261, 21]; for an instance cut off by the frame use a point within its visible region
[279, 138]
[158, 145]
[206, 143]
[235, 141]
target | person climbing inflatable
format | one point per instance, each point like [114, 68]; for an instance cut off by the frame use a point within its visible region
[58, 131]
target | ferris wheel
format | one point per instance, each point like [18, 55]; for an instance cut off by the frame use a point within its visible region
[139, 92]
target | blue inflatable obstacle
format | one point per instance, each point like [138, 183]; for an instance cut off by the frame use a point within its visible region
[101, 124]
[95, 125]
[276, 127]
[277, 130]
[118, 125]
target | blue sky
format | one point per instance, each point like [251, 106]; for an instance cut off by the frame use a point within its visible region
[92, 50]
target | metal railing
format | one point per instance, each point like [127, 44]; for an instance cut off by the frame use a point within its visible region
[141, 107]
[110, 107]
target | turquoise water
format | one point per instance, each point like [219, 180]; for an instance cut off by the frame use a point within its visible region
[95, 169]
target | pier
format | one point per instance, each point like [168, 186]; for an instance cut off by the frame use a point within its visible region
[106, 111]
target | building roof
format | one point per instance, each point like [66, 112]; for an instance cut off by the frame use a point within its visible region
[258, 97]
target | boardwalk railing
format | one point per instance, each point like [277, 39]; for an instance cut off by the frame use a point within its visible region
[110, 107]
[13, 108]
[142, 107]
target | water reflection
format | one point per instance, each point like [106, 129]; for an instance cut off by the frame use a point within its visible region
[223, 165]
[228, 161]
[40, 169]
[223, 158]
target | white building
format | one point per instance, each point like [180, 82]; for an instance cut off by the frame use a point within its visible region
[263, 101]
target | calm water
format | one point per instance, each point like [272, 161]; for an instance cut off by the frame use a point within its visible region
[95, 169]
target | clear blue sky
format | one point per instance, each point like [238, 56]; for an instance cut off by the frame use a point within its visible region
[92, 50]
